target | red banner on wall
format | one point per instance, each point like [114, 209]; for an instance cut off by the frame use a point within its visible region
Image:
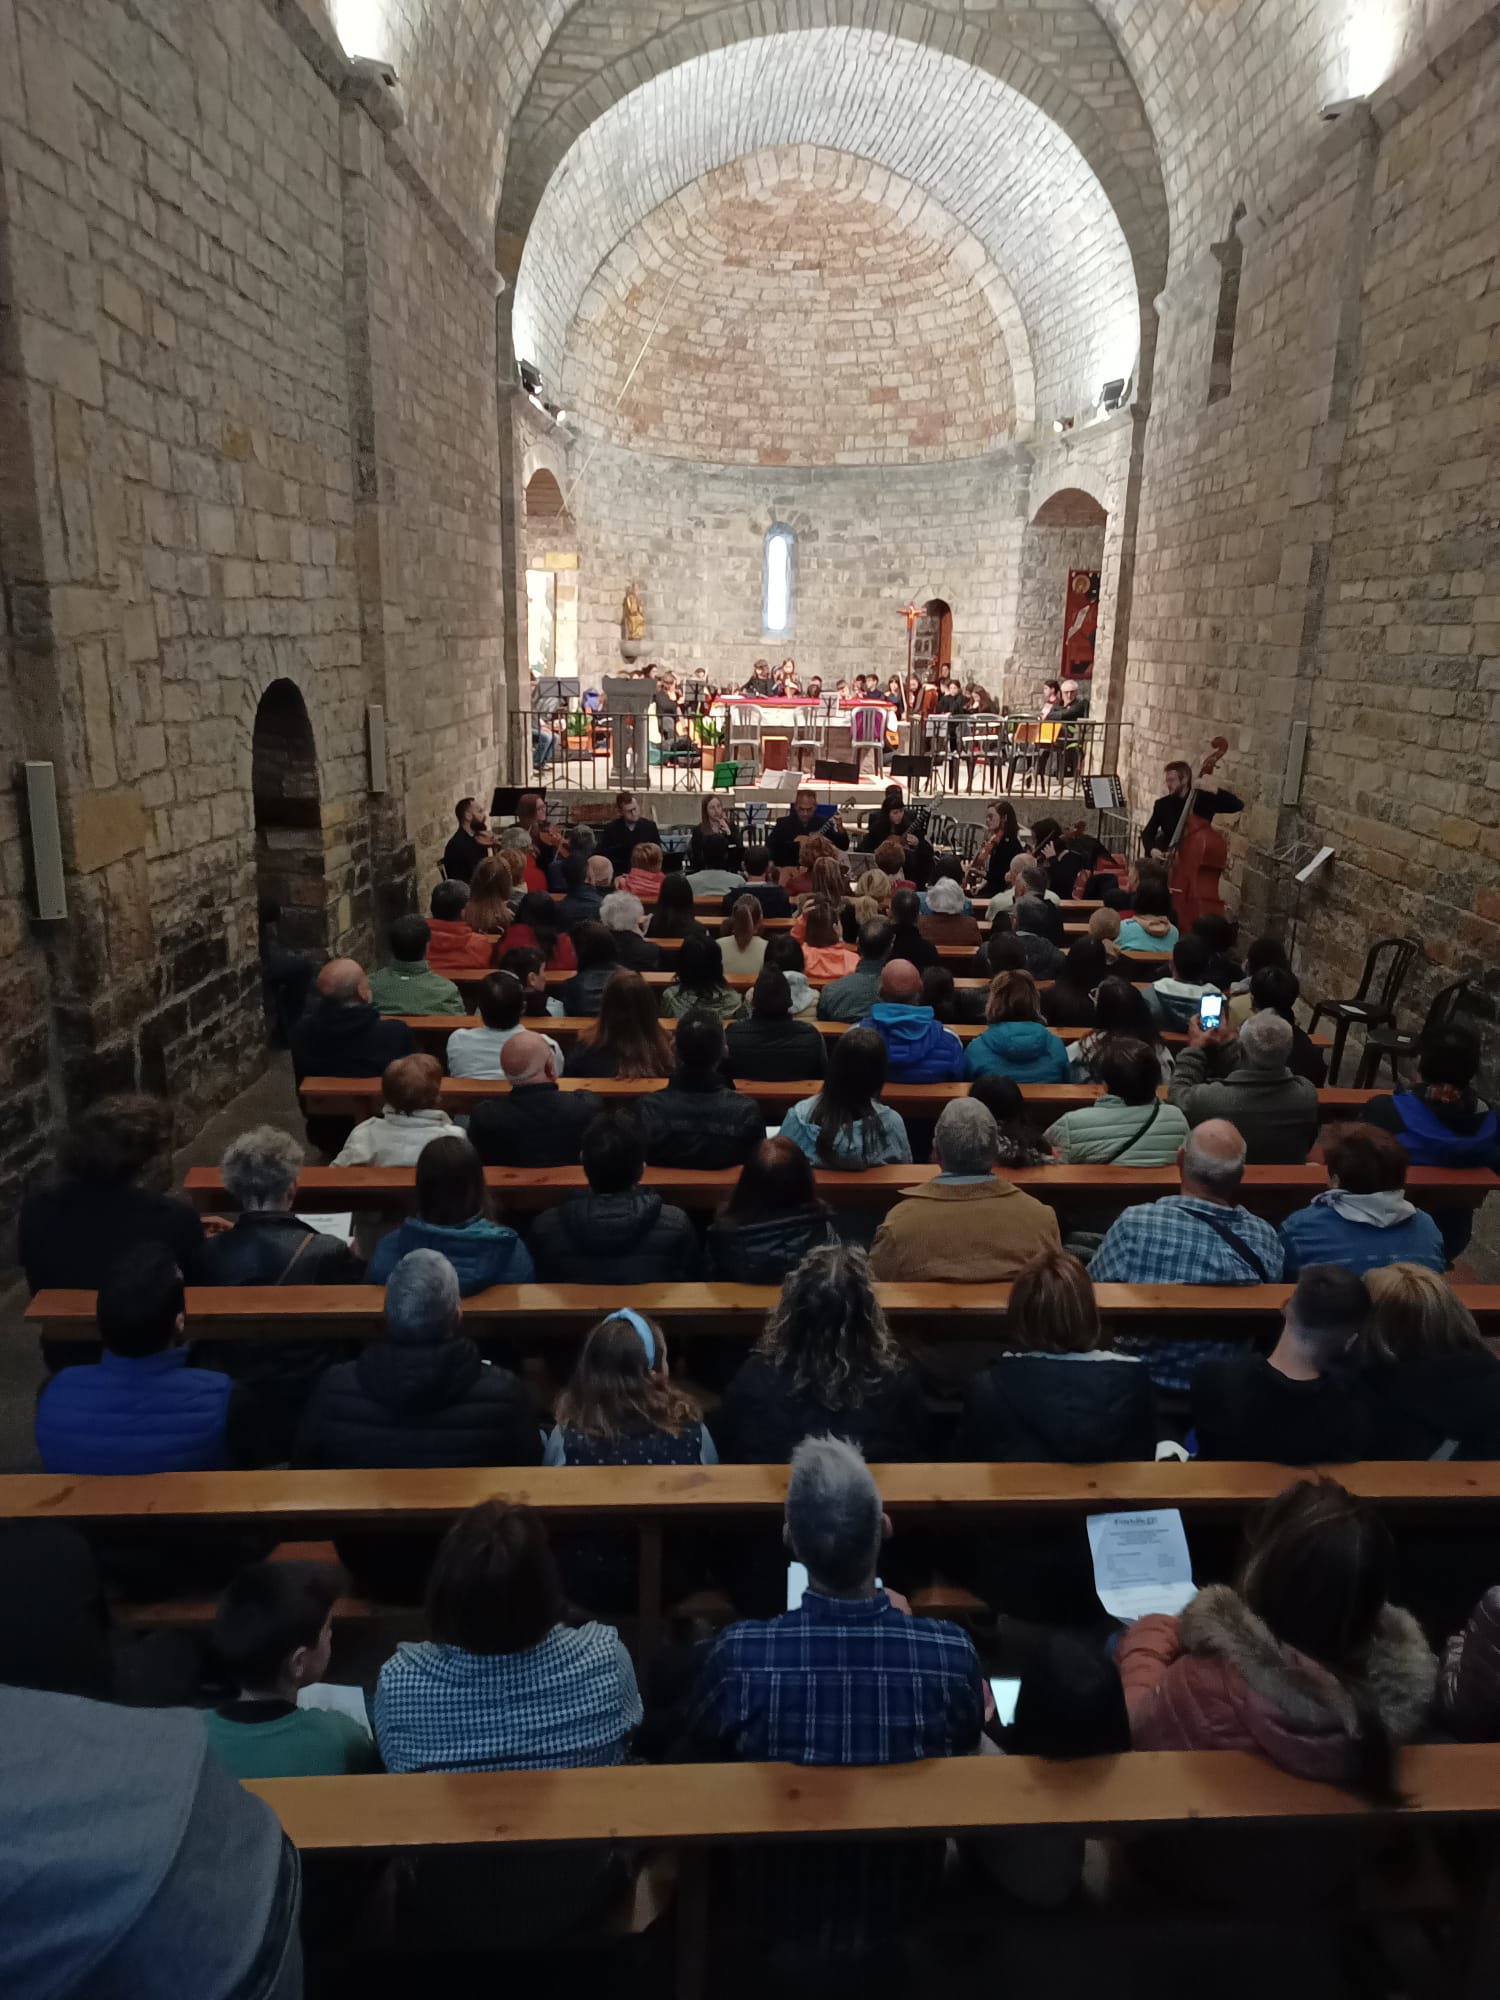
[1080, 621]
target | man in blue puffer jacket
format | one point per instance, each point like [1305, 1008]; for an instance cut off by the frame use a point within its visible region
[1444, 1122]
[918, 1048]
[142, 1408]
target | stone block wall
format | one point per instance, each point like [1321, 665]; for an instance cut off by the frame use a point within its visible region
[867, 543]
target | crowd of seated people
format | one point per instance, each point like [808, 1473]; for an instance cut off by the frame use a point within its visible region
[1301, 1650]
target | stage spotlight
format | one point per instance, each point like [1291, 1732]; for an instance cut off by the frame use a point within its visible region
[531, 377]
[1062, 424]
[1112, 395]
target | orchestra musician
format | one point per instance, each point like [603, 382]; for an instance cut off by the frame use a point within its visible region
[799, 822]
[1160, 830]
[760, 683]
[986, 873]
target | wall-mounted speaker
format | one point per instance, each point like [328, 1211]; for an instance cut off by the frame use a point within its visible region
[375, 730]
[46, 843]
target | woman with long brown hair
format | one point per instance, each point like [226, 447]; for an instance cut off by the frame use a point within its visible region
[830, 885]
[626, 1039]
[824, 953]
[621, 1406]
[488, 909]
[742, 941]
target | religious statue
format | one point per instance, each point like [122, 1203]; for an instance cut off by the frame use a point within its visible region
[632, 617]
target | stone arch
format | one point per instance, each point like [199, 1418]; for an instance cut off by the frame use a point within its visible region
[1081, 480]
[544, 497]
[552, 580]
[1062, 539]
[1070, 507]
[287, 798]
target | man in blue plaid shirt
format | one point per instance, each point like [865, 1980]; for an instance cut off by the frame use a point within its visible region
[1199, 1237]
[846, 1677]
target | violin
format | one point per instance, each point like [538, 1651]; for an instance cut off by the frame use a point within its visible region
[1198, 853]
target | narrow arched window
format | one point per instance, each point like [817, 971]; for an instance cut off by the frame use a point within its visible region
[776, 593]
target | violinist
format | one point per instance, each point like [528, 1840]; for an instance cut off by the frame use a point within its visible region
[1160, 831]
[986, 873]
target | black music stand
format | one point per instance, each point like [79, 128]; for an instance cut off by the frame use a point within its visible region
[828, 771]
[507, 798]
[915, 768]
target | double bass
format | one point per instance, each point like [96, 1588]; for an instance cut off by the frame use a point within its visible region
[1198, 853]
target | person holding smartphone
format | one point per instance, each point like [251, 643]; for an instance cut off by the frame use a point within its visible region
[1248, 1080]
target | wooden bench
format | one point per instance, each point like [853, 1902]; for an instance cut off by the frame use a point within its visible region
[1266, 1190]
[539, 1313]
[360, 1097]
[954, 951]
[469, 983]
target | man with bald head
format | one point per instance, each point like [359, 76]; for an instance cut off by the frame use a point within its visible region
[535, 1123]
[918, 1048]
[1199, 1237]
[342, 1033]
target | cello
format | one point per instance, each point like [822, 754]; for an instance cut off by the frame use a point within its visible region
[1198, 852]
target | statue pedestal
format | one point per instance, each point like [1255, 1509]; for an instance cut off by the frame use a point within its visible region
[633, 649]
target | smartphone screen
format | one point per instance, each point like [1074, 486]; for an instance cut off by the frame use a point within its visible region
[1005, 1693]
[796, 1583]
[1211, 1010]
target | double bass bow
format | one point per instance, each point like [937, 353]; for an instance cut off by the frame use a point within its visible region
[1198, 853]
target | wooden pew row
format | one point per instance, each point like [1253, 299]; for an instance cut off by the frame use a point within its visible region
[1267, 1190]
[468, 983]
[1071, 932]
[431, 1031]
[535, 1313]
[1075, 906]
[359, 1096]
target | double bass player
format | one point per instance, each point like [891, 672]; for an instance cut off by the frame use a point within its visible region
[1160, 830]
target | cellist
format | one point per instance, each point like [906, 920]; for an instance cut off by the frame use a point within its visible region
[1161, 828]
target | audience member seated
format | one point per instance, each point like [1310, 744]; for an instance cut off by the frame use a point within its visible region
[715, 877]
[452, 945]
[1173, 999]
[770, 1046]
[846, 1126]
[967, 1225]
[141, 1408]
[827, 1362]
[675, 915]
[1275, 1112]
[273, 1636]
[644, 877]
[699, 1120]
[846, 1676]
[268, 1245]
[825, 956]
[1017, 1043]
[506, 1682]
[1150, 926]
[534, 1124]
[1033, 924]
[1444, 1122]
[1468, 1701]
[1304, 1662]
[1019, 1143]
[1130, 1126]
[627, 1038]
[1024, 878]
[870, 895]
[698, 982]
[134, 1863]
[1276, 989]
[1104, 928]
[587, 880]
[1363, 1219]
[618, 837]
[1220, 934]
[1120, 1010]
[784, 954]
[597, 956]
[852, 997]
[493, 895]
[536, 927]
[1431, 1378]
[1069, 1000]
[342, 1032]
[406, 986]
[892, 859]
[1301, 1403]
[919, 1049]
[761, 883]
[619, 1233]
[624, 917]
[106, 1196]
[520, 856]
[771, 1221]
[453, 1218]
[947, 920]
[527, 964]
[742, 944]
[1263, 954]
[907, 939]
[1199, 1237]
[408, 1121]
[475, 1052]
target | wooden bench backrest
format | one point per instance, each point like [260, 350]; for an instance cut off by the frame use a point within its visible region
[432, 1030]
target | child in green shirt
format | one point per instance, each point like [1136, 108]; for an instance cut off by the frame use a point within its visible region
[273, 1632]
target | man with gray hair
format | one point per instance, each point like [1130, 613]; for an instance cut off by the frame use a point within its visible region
[1199, 1237]
[624, 917]
[845, 1676]
[1024, 877]
[1249, 1081]
[967, 1224]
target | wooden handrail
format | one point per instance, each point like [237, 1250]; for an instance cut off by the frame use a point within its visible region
[332, 1190]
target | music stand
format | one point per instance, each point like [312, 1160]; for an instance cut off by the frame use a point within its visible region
[507, 798]
[829, 771]
[629, 704]
[915, 768]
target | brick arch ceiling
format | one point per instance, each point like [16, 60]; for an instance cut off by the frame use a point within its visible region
[976, 148]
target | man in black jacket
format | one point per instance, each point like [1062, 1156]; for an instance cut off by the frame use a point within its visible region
[1160, 830]
[698, 1121]
[626, 830]
[619, 1233]
[343, 1033]
[771, 1047]
[800, 821]
[773, 899]
[469, 845]
[535, 1124]
[1301, 1404]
